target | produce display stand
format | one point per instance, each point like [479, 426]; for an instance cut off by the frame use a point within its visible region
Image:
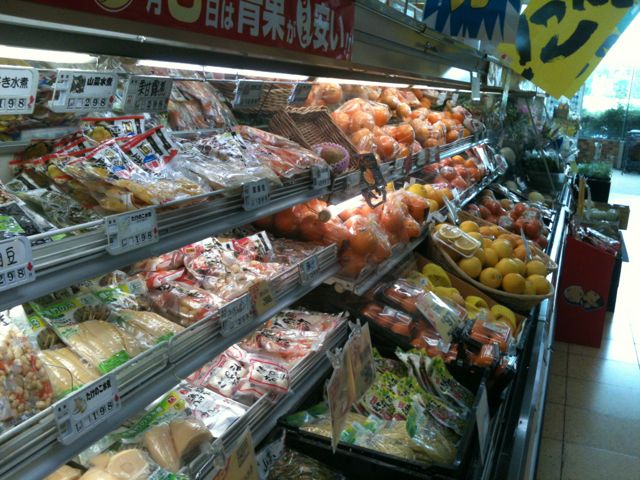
[32, 449]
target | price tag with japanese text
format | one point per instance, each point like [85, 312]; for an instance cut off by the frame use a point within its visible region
[308, 269]
[236, 314]
[78, 91]
[18, 87]
[241, 463]
[248, 94]
[16, 263]
[421, 157]
[320, 176]
[131, 230]
[255, 194]
[147, 94]
[300, 93]
[86, 408]
[263, 297]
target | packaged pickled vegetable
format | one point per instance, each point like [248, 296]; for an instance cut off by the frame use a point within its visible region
[105, 128]
[66, 370]
[427, 439]
[293, 465]
[445, 385]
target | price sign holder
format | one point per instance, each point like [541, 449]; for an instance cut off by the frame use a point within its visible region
[451, 210]
[255, 194]
[236, 314]
[18, 88]
[263, 297]
[398, 167]
[86, 408]
[482, 421]
[81, 91]
[131, 230]
[241, 463]
[308, 269]
[300, 93]
[145, 93]
[421, 158]
[248, 94]
[16, 263]
[320, 176]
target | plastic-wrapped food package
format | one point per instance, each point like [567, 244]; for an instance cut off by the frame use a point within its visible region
[224, 161]
[17, 219]
[486, 332]
[389, 318]
[105, 128]
[290, 345]
[216, 411]
[292, 465]
[66, 370]
[306, 321]
[167, 261]
[323, 94]
[148, 327]
[445, 385]
[404, 295]
[185, 303]
[427, 438]
[198, 105]
[285, 157]
[25, 388]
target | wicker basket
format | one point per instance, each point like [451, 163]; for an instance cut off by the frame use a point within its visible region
[520, 303]
[310, 126]
[535, 250]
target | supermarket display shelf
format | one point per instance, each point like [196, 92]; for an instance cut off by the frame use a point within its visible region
[263, 416]
[369, 277]
[83, 253]
[32, 449]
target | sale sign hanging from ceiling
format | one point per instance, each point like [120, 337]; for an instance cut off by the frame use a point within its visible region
[559, 43]
[320, 27]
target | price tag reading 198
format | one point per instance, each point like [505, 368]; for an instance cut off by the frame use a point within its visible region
[78, 91]
[236, 314]
[131, 230]
[18, 87]
[86, 408]
[16, 263]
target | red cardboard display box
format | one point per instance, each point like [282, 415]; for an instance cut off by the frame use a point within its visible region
[583, 293]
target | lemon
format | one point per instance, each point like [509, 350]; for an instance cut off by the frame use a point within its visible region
[536, 267]
[540, 283]
[436, 275]
[503, 248]
[476, 302]
[522, 267]
[469, 226]
[490, 257]
[471, 266]
[529, 288]
[491, 277]
[513, 283]
[507, 265]
[476, 236]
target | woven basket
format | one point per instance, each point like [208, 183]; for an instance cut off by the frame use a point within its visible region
[520, 303]
[535, 250]
[310, 126]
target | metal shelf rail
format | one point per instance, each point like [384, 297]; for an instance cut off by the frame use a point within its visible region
[32, 449]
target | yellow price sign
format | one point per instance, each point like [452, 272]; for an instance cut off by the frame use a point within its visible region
[559, 43]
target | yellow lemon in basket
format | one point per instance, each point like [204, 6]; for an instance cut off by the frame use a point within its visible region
[502, 247]
[486, 231]
[513, 283]
[469, 226]
[471, 266]
[491, 277]
[476, 235]
[536, 267]
[491, 258]
[507, 265]
[487, 243]
[541, 284]
[480, 255]
[529, 287]
[522, 267]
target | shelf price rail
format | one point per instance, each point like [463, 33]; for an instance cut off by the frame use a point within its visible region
[32, 449]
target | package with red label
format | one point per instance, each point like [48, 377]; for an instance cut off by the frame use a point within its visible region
[105, 128]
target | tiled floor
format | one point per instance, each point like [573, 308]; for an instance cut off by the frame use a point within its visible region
[592, 416]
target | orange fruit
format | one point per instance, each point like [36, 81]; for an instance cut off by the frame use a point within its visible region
[475, 235]
[503, 248]
[520, 252]
[486, 231]
[514, 283]
[452, 136]
[471, 266]
[491, 277]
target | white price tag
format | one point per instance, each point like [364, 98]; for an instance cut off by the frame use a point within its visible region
[300, 93]
[255, 194]
[131, 230]
[147, 94]
[308, 269]
[18, 87]
[86, 408]
[16, 263]
[442, 96]
[248, 94]
[482, 420]
[399, 167]
[454, 98]
[78, 91]
[320, 176]
[236, 314]
[421, 157]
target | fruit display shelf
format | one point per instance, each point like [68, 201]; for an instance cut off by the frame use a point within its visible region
[373, 273]
[32, 449]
